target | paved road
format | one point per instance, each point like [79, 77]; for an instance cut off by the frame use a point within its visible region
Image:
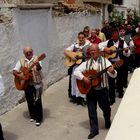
[62, 119]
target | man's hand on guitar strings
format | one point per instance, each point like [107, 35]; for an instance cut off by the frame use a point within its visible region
[86, 80]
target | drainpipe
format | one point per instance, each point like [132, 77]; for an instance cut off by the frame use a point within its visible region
[103, 10]
[139, 7]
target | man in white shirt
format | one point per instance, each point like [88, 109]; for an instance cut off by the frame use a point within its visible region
[34, 87]
[99, 92]
[122, 52]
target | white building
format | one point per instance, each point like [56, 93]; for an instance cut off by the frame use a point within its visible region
[123, 5]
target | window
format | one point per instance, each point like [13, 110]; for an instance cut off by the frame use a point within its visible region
[119, 2]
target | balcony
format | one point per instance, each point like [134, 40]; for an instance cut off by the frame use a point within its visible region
[99, 1]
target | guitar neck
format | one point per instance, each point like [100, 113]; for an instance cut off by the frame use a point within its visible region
[34, 63]
[103, 71]
[115, 65]
[41, 57]
[121, 49]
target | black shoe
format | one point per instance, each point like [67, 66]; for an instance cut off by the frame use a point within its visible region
[83, 104]
[92, 135]
[81, 101]
[73, 99]
[107, 124]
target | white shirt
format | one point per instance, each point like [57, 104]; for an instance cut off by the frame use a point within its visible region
[96, 65]
[18, 64]
[76, 46]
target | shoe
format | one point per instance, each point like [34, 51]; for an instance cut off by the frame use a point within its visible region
[73, 99]
[92, 135]
[37, 123]
[32, 120]
[81, 101]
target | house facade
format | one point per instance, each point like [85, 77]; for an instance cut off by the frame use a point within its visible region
[124, 5]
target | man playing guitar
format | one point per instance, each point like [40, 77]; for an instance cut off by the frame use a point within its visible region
[33, 88]
[98, 93]
[124, 54]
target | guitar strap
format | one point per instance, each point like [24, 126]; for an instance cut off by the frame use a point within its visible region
[105, 75]
[89, 66]
[102, 63]
[101, 66]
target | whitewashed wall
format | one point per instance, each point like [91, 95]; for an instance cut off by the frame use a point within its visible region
[133, 4]
[46, 34]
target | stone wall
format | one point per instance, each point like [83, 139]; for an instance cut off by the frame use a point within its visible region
[46, 34]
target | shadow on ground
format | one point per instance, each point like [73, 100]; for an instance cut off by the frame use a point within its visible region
[9, 136]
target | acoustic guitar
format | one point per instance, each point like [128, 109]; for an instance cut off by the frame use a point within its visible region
[114, 52]
[95, 78]
[78, 58]
[25, 72]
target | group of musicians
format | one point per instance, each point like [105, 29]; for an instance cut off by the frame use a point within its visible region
[102, 71]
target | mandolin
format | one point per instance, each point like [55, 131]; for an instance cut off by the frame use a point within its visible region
[25, 72]
[94, 77]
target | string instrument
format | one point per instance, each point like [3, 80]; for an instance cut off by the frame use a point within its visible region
[114, 52]
[25, 72]
[78, 58]
[95, 78]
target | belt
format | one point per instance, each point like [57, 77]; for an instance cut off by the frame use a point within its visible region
[99, 88]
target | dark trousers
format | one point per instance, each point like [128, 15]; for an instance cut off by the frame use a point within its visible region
[69, 86]
[122, 77]
[137, 59]
[1, 133]
[100, 96]
[131, 62]
[111, 82]
[34, 107]
[119, 82]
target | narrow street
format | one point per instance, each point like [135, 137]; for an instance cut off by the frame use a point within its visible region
[62, 119]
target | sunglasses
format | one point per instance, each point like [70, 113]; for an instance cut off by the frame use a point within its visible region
[29, 52]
